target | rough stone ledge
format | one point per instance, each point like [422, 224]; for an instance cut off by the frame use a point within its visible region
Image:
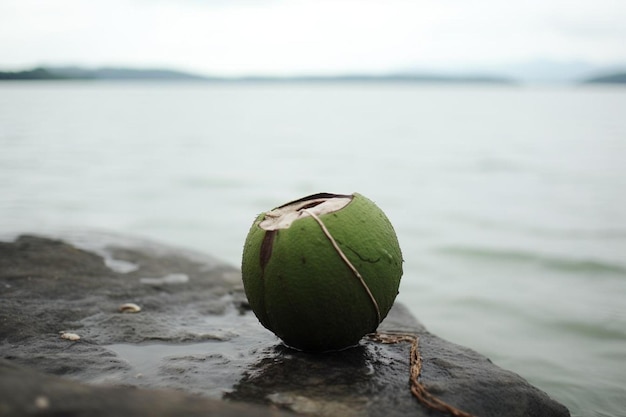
[195, 348]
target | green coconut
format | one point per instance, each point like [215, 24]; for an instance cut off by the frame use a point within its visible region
[322, 271]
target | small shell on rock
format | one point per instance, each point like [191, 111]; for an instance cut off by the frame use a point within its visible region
[129, 308]
[42, 402]
[70, 336]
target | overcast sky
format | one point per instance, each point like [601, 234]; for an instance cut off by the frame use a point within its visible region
[235, 37]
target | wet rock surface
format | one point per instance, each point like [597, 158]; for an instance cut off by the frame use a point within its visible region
[195, 348]
[27, 392]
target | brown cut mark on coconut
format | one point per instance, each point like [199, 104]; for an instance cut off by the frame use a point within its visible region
[317, 204]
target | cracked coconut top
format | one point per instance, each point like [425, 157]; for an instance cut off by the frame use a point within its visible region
[282, 217]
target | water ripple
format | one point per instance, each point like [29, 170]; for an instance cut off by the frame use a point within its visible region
[585, 266]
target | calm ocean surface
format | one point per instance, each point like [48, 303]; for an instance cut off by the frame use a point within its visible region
[509, 202]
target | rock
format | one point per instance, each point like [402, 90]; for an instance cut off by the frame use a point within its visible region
[194, 345]
[27, 392]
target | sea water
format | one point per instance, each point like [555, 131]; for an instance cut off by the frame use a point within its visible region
[509, 201]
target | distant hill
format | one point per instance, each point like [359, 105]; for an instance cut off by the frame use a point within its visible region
[109, 73]
[78, 73]
[34, 74]
[617, 78]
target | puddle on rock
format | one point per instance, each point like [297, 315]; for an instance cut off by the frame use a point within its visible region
[209, 368]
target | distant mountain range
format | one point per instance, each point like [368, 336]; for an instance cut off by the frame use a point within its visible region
[79, 73]
[540, 71]
[619, 78]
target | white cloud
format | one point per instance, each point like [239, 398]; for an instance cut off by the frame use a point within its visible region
[308, 36]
